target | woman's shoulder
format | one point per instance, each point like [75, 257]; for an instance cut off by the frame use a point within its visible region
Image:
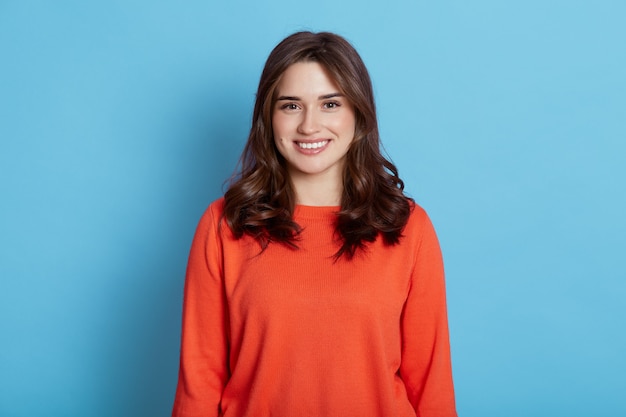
[418, 213]
[217, 206]
[419, 220]
[212, 215]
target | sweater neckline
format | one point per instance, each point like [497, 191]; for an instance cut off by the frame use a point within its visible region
[316, 212]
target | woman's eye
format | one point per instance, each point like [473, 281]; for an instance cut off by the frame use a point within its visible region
[331, 105]
[289, 106]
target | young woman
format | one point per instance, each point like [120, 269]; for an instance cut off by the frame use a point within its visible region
[315, 287]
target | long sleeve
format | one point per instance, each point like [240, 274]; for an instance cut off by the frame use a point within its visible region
[204, 349]
[425, 363]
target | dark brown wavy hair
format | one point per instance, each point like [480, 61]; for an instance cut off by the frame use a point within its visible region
[260, 200]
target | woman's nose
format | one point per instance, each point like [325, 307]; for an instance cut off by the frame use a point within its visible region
[309, 123]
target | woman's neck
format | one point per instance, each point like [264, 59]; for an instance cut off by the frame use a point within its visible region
[317, 190]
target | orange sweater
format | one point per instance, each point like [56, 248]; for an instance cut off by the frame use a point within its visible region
[289, 333]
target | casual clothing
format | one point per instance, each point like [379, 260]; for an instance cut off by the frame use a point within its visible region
[294, 332]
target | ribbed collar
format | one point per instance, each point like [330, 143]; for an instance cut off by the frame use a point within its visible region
[316, 212]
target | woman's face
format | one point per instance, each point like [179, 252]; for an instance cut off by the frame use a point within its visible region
[313, 123]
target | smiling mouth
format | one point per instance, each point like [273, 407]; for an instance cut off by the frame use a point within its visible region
[312, 145]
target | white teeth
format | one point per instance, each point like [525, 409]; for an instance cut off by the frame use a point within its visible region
[312, 145]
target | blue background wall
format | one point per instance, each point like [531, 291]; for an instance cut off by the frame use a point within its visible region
[120, 120]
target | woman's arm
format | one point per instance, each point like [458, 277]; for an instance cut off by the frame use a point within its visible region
[204, 349]
[426, 368]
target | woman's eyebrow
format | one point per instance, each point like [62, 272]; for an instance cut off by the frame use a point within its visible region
[288, 98]
[331, 95]
[322, 97]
